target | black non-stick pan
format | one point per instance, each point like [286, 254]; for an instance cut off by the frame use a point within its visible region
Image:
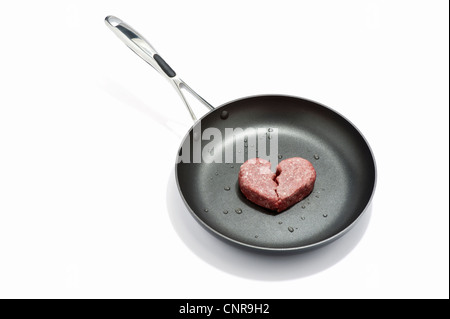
[345, 165]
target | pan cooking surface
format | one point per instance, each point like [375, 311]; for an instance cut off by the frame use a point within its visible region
[344, 185]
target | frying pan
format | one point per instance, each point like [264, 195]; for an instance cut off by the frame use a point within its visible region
[344, 162]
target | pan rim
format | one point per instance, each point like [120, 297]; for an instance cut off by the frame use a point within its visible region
[280, 249]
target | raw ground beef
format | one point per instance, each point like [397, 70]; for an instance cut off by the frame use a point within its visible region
[293, 181]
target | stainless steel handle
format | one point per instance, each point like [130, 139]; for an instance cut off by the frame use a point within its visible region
[145, 50]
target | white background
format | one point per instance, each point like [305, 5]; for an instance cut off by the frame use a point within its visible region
[89, 132]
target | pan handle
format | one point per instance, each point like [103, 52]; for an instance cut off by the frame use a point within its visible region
[144, 49]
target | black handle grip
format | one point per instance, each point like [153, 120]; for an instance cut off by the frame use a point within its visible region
[164, 66]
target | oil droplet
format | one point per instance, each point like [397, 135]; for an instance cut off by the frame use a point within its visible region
[270, 130]
[224, 115]
[206, 210]
[303, 218]
[316, 157]
[227, 188]
[225, 212]
[303, 206]
[280, 223]
[238, 211]
[245, 140]
[291, 229]
[280, 156]
[325, 215]
[217, 173]
[317, 196]
[256, 236]
[232, 166]
[245, 144]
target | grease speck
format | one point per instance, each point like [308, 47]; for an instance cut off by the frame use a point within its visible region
[224, 115]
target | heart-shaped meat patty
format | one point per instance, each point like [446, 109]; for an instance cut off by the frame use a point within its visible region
[293, 181]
